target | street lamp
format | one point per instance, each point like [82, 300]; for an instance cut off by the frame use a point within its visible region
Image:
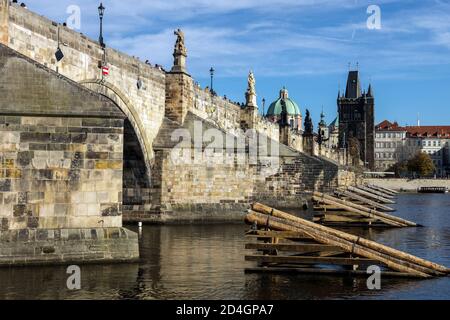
[211, 72]
[264, 106]
[101, 12]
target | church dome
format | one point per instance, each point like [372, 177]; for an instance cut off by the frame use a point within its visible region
[276, 109]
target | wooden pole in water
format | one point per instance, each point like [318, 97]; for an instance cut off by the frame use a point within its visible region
[387, 189]
[354, 196]
[371, 195]
[330, 239]
[373, 213]
[354, 239]
[381, 190]
[375, 192]
[354, 210]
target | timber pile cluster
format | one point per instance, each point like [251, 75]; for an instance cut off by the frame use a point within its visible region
[358, 206]
[287, 243]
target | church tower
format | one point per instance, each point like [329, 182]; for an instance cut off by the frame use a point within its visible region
[357, 119]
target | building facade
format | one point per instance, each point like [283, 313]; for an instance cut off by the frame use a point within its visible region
[395, 144]
[390, 145]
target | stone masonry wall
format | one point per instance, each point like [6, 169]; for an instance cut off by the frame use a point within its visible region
[36, 37]
[221, 188]
[61, 150]
[60, 172]
[227, 115]
[299, 175]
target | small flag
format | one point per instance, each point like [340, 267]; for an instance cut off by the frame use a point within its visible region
[105, 70]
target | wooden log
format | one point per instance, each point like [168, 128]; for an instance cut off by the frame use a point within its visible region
[344, 193]
[328, 238]
[278, 234]
[309, 260]
[384, 274]
[387, 189]
[360, 212]
[343, 219]
[371, 186]
[307, 247]
[387, 194]
[376, 214]
[371, 195]
[377, 247]
[375, 192]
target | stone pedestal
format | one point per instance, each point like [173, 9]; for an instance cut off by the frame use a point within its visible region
[4, 21]
[179, 96]
[179, 63]
[309, 144]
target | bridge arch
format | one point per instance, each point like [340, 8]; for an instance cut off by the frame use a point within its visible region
[138, 152]
[112, 92]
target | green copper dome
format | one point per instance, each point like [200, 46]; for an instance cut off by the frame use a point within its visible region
[275, 108]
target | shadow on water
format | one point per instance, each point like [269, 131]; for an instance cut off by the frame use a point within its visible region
[207, 262]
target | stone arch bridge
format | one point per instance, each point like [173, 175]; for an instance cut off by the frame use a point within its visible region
[155, 103]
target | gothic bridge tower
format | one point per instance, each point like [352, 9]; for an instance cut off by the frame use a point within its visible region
[357, 119]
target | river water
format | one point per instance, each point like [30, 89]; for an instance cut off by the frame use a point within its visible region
[207, 262]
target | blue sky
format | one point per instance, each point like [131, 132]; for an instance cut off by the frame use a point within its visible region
[305, 45]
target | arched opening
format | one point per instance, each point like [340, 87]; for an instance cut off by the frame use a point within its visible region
[136, 185]
[137, 151]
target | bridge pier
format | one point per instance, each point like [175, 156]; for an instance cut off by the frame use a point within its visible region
[61, 160]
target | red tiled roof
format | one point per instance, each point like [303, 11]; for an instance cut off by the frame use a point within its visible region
[389, 126]
[415, 131]
[429, 131]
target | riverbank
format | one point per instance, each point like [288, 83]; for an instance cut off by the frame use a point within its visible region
[409, 185]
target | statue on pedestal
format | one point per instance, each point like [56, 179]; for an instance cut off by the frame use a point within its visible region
[179, 53]
[180, 47]
[250, 95]
[309, 128]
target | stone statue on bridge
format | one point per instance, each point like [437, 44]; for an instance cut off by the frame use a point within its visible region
[250, 95]
[309, 127]
[179, 53]
[180, 47]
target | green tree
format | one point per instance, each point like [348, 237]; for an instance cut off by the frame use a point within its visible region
[400, 168]
[422, 164]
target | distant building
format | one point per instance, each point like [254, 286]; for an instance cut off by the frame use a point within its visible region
[333, 132]
[323, 128]
[356, 118]
[390, 141]
[395, 144]
[433, 140]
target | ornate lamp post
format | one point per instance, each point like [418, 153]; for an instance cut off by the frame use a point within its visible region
[101, 12]
[211, 72]
[264, 106]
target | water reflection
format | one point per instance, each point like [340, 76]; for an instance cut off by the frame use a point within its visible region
[206, 262]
